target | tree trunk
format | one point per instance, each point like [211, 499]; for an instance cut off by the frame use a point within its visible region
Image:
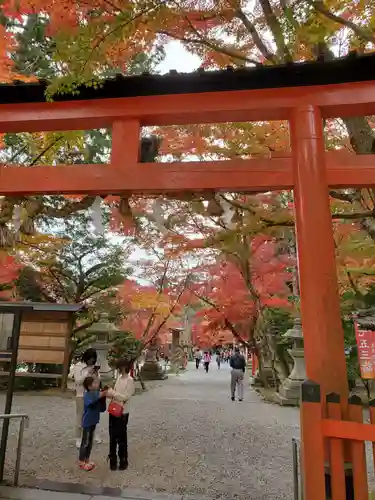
[280, 365]
[139, 376]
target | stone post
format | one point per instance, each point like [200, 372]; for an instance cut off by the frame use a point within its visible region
[176, 355]
[289, 390]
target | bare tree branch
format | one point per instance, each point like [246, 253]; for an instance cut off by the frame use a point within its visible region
[166, 318]
[360, 32]
[83, 326]
[256, 37]
[276, 31]
[211, 45]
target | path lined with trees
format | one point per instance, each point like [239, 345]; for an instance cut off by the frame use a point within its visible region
[186, 436]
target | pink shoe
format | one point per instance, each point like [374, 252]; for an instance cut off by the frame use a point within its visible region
[86, 466]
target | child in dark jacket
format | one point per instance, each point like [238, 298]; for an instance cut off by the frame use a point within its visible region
[94, 404]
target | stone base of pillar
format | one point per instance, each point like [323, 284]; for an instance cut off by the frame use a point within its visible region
[257, 381]
[289, 393]
[151, 370]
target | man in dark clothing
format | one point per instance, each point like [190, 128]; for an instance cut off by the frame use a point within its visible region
[238, 365]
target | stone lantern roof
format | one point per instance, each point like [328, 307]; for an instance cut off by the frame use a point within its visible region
[103, 329]
[295, 333]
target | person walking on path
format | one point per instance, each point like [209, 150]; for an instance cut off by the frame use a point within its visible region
[197, 357]
[83, 369]
[206, 360]
[118, 425]
[92, 402]
[218, 360]
[238, 365]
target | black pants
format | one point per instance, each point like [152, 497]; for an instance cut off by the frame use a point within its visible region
[118, 438]
[86, 443]
[206, 365]
[197, 362]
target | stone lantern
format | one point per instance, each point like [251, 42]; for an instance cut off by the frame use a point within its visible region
[289, 390]
[104, 331]
[151, 369]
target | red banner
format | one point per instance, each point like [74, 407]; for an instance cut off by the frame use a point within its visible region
[366, 351]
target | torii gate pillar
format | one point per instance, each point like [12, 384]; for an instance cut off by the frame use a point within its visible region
[320, 305]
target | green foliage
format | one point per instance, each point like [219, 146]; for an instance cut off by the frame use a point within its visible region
[124, 345]
[34, 52]
[88, 55]
[279, 320]
[28, 286]
[31, 384]
[352, 300]
[352, 365]
[369, 297]
[86, 270]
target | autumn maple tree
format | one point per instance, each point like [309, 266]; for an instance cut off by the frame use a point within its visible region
[249, 277]
[147, 311]
[152, 303]
[205, 336]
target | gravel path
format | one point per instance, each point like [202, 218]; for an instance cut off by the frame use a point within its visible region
[186, 436]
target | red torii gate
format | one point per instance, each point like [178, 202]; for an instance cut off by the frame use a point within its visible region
[308, 170]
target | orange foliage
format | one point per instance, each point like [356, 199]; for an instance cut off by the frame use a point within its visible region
[226, 140]
[149, 312]
[7, 47]
[205, 337]
[9, 272]
[232, 298]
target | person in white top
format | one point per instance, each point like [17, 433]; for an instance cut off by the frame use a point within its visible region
[118, 426]
[84, 368]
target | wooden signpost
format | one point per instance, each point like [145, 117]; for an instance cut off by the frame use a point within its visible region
[366, 351]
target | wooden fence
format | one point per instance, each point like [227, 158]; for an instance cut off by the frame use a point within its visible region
[333, 437]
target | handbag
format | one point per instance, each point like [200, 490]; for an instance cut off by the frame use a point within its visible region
[115, 409]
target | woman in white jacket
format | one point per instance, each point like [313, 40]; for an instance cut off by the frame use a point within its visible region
[118, 426]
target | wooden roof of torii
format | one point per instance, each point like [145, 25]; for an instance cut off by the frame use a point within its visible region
[352, 68]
